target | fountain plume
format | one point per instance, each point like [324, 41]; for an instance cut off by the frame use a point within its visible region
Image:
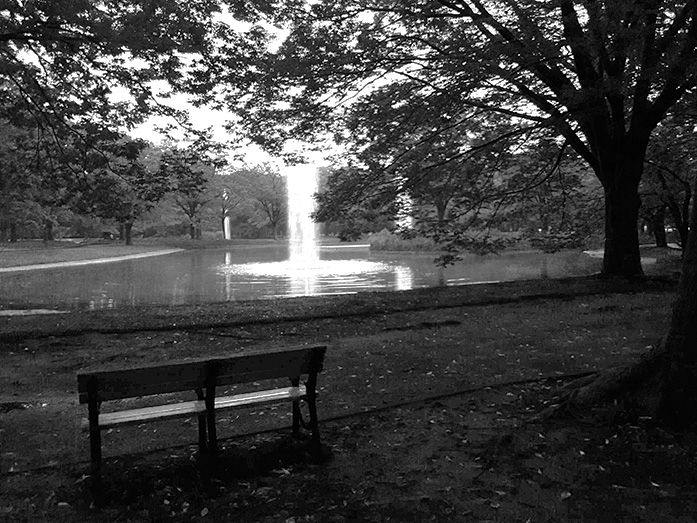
[302, 185]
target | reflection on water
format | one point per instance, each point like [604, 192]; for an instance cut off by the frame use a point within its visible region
[308, 278]
[259, 272]
[404, 279]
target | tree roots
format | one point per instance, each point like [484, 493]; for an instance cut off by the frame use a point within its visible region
[637, 383]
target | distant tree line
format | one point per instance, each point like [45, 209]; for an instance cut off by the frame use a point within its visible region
[107, 183]
[74, 78]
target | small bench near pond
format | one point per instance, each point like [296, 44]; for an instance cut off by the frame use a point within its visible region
[202, 377]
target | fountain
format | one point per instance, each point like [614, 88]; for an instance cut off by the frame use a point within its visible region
[304, 271]
[302, 185]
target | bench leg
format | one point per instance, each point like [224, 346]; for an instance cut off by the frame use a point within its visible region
[296, 417]
[212, 447]
[202, 438]
[311, 386]
[295, 382]
[95, 447]
[314, 423]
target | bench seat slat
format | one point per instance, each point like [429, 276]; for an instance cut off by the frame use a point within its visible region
[262, 396]
[126, 417]
[189, 408]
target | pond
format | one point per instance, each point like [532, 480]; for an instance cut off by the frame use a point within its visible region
[259, 272]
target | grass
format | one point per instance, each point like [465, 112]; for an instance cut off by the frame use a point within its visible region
[35, 253]
[38, 252]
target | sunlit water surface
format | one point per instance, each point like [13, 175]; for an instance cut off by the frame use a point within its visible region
[259, 272]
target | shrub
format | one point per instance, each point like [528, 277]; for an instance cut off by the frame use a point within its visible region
[389, 241]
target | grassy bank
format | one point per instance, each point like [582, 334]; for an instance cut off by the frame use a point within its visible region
[38, 252]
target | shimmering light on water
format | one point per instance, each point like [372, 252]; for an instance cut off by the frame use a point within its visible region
[304, 278]
[321, 268]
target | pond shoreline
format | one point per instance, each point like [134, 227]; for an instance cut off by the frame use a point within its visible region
[308, 308]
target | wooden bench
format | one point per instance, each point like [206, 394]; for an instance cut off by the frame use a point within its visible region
[203, 377]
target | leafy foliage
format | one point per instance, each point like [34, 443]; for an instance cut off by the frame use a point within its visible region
[265, 187]
[117, 183]
[188, 172]
[670, 171]
[601, 75]
[76, 74]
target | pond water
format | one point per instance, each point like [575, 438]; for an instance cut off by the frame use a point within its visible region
[258, 272]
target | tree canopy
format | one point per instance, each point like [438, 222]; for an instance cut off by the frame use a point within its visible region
[599, 75]
[74, 77]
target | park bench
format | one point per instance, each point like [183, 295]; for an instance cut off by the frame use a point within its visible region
[204, 378]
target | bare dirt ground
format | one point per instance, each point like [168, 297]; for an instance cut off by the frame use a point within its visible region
[426, 411]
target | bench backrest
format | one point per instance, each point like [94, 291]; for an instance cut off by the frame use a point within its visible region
[198, 373]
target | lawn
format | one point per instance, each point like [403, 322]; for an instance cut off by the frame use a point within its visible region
[38, 253]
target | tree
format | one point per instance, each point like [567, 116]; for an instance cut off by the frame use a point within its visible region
[445, 174]
[189, 173]
[16, 180]
[561, 207]
[266, 188]
[675, 377]
[64, 59]
[35, 176]
[69, 66]
[461, 181]
[670, 172]
[661, 384]
[337, 205]
[117, 183]
[448, 177]
[600, 74]
[227, 195]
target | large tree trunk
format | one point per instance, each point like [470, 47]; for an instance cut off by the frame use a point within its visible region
[622, 257]
[621, 164]
[663, 383]
[128, 228]
[48, 230]
[658, 227]
[678, 379]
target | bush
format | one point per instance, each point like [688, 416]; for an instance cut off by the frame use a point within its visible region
[389, 241]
